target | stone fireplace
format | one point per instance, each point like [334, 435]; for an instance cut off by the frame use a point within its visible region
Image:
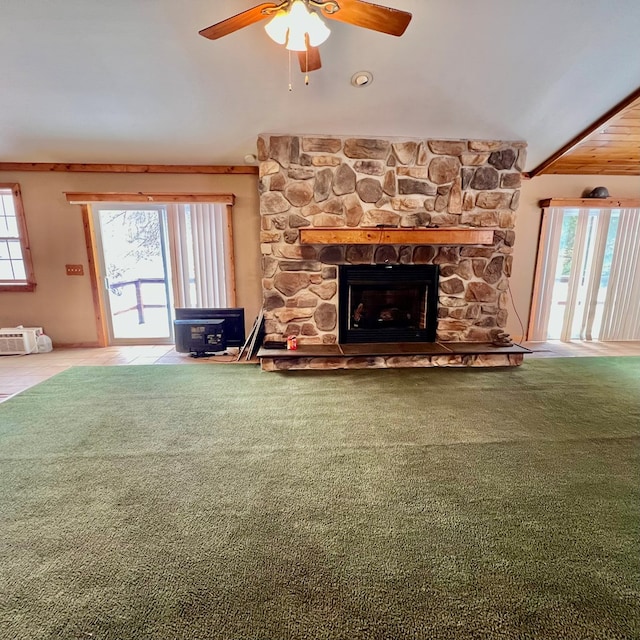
[330, 202]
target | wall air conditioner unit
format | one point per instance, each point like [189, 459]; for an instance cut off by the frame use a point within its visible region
[15, 342]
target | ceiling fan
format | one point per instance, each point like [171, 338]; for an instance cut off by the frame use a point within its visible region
[295, 24]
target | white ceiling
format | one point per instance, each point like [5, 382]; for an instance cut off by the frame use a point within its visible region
[131, 81]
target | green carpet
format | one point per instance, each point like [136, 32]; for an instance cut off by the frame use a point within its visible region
[197, 502]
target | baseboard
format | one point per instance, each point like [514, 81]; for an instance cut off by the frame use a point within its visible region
[76, 345]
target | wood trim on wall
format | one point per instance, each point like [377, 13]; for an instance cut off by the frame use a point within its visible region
[129, 168]
[533, 301]
[77, 345]
[160, 198]
[231, 257]
[94, 276]
[593, 203]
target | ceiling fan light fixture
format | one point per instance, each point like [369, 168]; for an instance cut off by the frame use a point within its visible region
[296, 41]
[292, 27]
[278, 27]
[317, 30]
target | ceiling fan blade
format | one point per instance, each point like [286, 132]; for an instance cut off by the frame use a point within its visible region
[309, 59]
[370, 16]
[239, 21]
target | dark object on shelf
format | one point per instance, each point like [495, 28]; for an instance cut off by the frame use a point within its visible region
[199, 337]
[599, 192]
[275, 344]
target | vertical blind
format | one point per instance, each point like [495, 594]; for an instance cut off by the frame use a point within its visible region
[546, 271]
[621, 320]
[604, 271]
[199, 248]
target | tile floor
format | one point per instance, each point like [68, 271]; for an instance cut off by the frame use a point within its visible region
[18, 373]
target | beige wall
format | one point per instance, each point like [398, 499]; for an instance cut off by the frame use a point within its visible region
[528, 226]
[63, 304]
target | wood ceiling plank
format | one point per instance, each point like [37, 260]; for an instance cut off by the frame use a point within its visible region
[602, 152]
[592, 171]
[629, 137]
[587, 158]
[626, 128]
[611, 155]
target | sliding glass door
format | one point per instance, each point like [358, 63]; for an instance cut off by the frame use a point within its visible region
[588, 277]
[133, 251]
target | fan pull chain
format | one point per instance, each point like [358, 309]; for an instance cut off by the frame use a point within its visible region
[306, 66]
[290, 85]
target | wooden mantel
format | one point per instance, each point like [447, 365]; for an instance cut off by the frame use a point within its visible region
[437, 235]
[592, 203]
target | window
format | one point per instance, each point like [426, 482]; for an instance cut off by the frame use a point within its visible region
[16, 272]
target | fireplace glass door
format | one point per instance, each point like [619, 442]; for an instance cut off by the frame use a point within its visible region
[388, 303]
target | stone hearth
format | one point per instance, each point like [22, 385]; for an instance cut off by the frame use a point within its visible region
[312, 182]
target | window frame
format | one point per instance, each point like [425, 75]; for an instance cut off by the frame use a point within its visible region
[23, 236]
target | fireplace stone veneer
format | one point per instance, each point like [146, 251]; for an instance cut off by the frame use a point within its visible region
[377, 183]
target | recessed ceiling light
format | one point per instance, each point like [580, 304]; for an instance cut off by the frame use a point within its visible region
[361, 79]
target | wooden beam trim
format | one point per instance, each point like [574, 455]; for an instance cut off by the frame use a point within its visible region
[17, 288]
[77, 345]
[441, 236]
[94, 277]
[599, 123]
[129, 168]
[592, 203]
[157, 198]
[232, 259]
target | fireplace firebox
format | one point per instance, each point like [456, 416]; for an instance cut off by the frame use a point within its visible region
[388, 303]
